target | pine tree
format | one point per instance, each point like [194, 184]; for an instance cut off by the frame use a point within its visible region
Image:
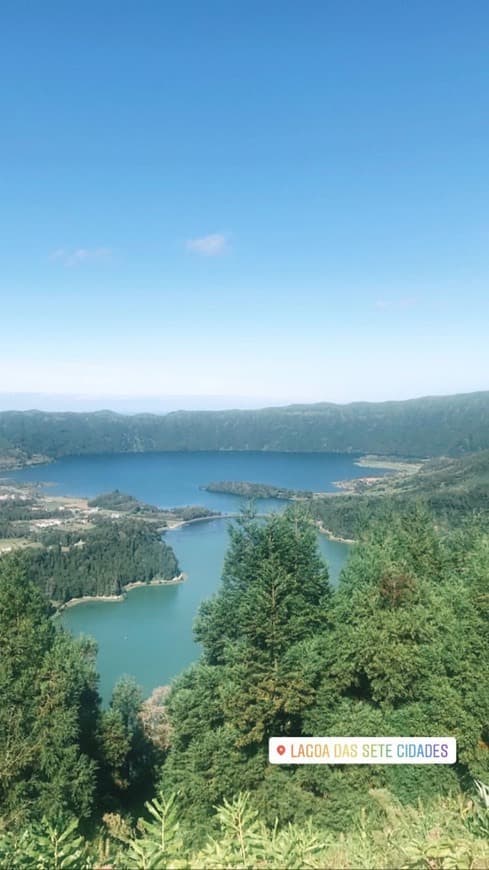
[251, 683]
[48, 691]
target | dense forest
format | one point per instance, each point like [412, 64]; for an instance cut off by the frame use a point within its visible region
[250, 490]
[127, 504]
[123, 502]
[401, 646]
[432, 426]
[100, 560]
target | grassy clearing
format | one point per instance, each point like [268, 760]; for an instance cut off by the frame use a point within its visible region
[8, 545]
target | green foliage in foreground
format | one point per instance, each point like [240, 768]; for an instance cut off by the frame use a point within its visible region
[400, 647]
[48, 709]
[61, 757]
[447, 834]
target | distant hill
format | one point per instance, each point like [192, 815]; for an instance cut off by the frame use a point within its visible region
[452, 490]
[426, 427]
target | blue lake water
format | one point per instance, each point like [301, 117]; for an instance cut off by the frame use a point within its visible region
[149, 635]
[174, 479]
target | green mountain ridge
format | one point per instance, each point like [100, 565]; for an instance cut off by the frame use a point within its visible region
[424, 427]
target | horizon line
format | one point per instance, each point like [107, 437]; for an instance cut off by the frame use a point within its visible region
[276, 404]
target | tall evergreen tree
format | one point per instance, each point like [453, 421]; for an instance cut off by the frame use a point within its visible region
[48, 710]
[129, 756]
[251, 682]
[408, 656]
[401, 648]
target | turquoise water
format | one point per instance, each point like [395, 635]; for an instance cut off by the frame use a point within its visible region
[149, 635]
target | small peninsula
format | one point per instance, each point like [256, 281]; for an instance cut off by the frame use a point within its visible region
[78, 550]
[121, 596]
[251, 490]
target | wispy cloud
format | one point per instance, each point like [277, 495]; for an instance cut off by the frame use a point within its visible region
[208, 246]
[401, 303]
[78, 256]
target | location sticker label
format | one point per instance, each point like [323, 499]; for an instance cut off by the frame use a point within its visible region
[362, 750]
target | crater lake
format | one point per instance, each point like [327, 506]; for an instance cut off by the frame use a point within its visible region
[149, 634]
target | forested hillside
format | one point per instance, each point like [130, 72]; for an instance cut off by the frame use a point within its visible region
[436, 426]
[452, 490]
[98, 561]
[400, 647]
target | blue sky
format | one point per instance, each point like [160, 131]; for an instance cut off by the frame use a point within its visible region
[244, 202]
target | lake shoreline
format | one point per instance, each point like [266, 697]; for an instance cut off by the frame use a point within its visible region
[179, 524]
[321, 529]
[151, 637]
[332, 537]
[10, 465]
[138, 584]
[370, 460]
